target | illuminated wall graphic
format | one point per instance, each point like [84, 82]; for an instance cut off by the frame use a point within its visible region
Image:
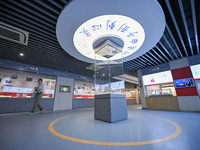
[195, 71]
[158, 78]
[125, 28]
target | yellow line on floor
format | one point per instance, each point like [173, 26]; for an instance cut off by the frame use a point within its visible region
[172, 136]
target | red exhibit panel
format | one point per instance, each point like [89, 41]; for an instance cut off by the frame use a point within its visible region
[191, 91]
[183, 73]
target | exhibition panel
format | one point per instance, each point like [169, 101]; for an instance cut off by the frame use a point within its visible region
[84, 90]
[196, 75]
[183, 80]
[19, 84]
[159, 84]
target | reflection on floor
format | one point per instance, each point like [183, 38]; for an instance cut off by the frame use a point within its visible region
[19, 131]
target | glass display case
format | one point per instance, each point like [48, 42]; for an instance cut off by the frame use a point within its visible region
[107, 68]
[160, 90]
[83, 89]
[109, 92]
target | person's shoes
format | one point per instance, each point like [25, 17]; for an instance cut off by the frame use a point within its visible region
[31, 113]
[42, 110]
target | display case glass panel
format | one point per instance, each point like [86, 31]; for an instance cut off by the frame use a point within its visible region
[106, 69]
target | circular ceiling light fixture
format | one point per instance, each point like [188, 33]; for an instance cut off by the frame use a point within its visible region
[21, 54]
[139, 24]
[127, 29]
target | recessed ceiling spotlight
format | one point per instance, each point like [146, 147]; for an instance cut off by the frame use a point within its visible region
[21, 54]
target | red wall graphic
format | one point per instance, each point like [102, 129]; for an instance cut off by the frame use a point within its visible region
[182, 73]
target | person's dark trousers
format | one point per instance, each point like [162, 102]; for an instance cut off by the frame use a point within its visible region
[37, 102]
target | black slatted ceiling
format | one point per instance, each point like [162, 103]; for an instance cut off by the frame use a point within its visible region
[39, 17]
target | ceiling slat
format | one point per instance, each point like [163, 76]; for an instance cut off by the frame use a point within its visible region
[176, 26]
[161, 53]
[174, 41]
[28, 14]
[195, 24]
[40, 9]
[164, 37]
[166, 50]
[46, 6]
[185, 25]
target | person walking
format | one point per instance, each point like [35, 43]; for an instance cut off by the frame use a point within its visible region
[39, 92]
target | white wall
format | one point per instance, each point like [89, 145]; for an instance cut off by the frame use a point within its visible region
[63, 101]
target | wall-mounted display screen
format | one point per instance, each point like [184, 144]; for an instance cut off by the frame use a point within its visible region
[195, 71]
[64, 89]
[181, 83]
[158, 78]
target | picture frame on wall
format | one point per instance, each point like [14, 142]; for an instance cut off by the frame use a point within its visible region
[64, 89]
[14, 77]
[29, 79]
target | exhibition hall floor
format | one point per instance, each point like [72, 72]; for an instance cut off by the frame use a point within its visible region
[78, 130]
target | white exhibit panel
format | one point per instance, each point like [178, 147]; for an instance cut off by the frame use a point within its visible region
[21, 85]
[159, 84]
[195, 71]
[158, 78]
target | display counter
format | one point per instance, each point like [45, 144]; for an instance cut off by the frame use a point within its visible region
[162, 103]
